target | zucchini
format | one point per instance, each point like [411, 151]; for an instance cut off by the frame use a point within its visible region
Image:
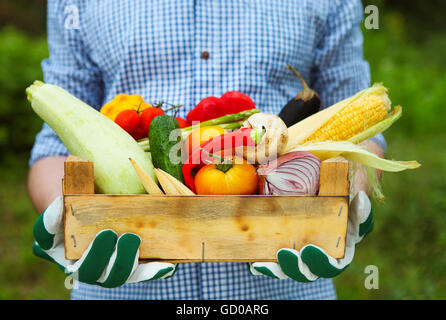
[92, 136]
[166, 145]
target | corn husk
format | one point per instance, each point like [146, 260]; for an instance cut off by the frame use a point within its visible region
[353, 152]
[358, 156]
[373, 180]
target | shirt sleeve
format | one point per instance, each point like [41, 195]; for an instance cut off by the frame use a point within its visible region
[339, 69]
[68, 67]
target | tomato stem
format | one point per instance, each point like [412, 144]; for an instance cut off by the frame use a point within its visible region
[223, 166]
[224, 163]
[173, 107]
[139, 107]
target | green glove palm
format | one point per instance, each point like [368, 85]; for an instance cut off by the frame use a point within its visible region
[109, 261]
[311, 262]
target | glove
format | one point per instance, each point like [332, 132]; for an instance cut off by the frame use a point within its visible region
[109, 261]
[311, 262]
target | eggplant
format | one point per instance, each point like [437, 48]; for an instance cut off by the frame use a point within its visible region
[306, 103]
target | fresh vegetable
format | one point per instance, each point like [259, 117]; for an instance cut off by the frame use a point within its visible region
[295, 173]
[345, 119]
[235, 102]
[182, 122]
[201, 135]
[306, 103]
[172, 185]
[165, 183]
[146, 118]
[226, 119]
[145, 145]
[379, 127]
[137, 123]
[199, 156]
[165, 145]
[228, 177]
[272, 142]
[147, 181]
[123, 102]
[212, 107]
[226, 122]
[90, 135]
[128, 120]
[206, 109]
[353, 119]
[136, 119]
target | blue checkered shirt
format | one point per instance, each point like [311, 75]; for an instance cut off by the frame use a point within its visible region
[154, 48]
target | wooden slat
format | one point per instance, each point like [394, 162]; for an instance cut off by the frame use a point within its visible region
[209, 228]
[334, 177]
[79, 176]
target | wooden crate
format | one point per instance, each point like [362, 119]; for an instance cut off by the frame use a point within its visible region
[208, 228]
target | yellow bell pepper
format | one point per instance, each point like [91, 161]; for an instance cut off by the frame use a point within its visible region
[123, 102]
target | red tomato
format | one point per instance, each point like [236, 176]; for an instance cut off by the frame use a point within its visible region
[182, 122]
[234, 102]
[128, 120]
[139, 133]
[147, 116]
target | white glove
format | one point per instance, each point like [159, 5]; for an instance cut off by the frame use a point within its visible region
[311, 262]
[109, 261]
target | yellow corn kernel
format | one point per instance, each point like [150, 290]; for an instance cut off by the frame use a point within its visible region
[354, 118]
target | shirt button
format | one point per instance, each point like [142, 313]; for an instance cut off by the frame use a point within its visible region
[205, 55]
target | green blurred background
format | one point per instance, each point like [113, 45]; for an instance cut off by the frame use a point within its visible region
[407, 54]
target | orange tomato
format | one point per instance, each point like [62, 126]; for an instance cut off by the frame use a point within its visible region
[201, 135]
[241, 178]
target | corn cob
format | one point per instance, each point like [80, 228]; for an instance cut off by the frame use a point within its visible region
[345, 119]
[166, 184]
[352, 119]
[179, 186]
[147, 181]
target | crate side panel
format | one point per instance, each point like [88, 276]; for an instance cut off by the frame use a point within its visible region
[213, 228]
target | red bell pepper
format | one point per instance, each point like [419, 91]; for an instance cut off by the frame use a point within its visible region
[234, 102]
[206, 109]
[213, 107]
[200, 155]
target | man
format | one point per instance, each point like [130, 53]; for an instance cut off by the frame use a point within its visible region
[181, 52]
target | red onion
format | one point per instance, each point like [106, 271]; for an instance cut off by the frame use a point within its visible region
[295, 173]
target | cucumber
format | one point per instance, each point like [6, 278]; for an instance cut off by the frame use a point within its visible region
[166, 145]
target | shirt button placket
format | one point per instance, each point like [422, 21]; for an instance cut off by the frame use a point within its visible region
[205, 77]
[207, 38]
